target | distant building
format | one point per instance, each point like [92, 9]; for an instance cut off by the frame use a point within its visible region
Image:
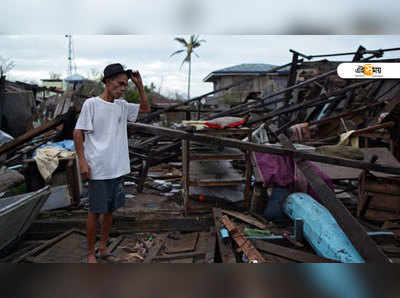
[74, 81]
[161, 102]
[259, 87]
[52, 83]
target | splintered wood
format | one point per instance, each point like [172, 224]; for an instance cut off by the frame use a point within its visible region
[244, 244]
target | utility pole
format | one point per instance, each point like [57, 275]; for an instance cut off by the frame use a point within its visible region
[69, 54]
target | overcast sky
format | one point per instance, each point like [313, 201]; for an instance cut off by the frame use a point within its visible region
[36, 56]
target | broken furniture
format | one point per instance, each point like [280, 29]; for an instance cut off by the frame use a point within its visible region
[211, 168]
[149, 153]
[67, 174]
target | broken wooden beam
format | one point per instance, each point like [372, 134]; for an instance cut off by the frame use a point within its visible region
[243, 243]
[229, 142]
[245, 218]
[290, 253]
[225, 249]
[151, 116]
[261, 102]
[31, 134]
[323, 99]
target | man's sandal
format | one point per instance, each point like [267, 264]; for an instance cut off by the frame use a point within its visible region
[84, 260]
[110, 258]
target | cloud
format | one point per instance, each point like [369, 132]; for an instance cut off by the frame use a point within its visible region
[35, 56]
[204, 16]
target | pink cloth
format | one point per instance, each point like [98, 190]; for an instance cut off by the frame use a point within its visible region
[277, 170]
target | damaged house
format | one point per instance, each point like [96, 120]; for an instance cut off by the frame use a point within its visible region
[262, 82]
[299, 166]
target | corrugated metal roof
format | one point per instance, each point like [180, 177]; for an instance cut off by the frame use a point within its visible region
[246, 68]
[256, 67]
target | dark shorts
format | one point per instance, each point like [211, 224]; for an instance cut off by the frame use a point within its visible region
[105, 196]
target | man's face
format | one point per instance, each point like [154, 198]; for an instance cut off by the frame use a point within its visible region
[117, 86]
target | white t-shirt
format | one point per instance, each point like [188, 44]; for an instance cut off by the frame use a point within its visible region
[106, 138]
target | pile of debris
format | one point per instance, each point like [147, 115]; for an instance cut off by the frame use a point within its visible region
[305, 173]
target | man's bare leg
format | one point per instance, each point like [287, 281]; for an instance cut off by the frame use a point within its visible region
[105, 232]
[91, 227]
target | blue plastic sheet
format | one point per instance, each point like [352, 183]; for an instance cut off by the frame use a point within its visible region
[64, 145]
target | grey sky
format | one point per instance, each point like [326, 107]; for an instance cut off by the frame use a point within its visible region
[35, 56]
[204, 16]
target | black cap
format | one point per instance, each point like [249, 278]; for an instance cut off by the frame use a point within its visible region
[114, 69]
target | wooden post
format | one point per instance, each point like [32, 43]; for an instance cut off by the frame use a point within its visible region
[2, 97]
[292, 76]
[186, 174]
[248, 174]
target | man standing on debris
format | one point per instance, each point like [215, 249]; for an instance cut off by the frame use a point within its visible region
[101, 143]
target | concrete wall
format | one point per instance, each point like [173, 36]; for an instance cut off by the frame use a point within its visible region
[266, 85]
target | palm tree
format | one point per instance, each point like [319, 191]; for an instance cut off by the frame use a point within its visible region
[189, 47]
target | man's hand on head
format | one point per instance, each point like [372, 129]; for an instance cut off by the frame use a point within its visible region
[136, 78]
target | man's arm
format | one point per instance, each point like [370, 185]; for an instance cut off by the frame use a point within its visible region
[83, 164]
[144, 102]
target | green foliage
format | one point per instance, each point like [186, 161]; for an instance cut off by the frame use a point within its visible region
[132, 94]
[92, 88]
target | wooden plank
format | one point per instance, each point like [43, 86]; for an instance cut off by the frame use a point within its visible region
[248, 174]
[385, 158]
[225, 250]
[179, 256]
[185, 244]
[155, 250]
[115, 242]
[382, 186]
[365, 246]
[372, 128]
[67, 250]
[385, 202]
[46, 245]
[243, 243]
[31, 134]
[173, 133]
[333, 96]
[245, 218]
[186, 174]
[209, 257]
[381, 216]
[290, 253]
[41, 229]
